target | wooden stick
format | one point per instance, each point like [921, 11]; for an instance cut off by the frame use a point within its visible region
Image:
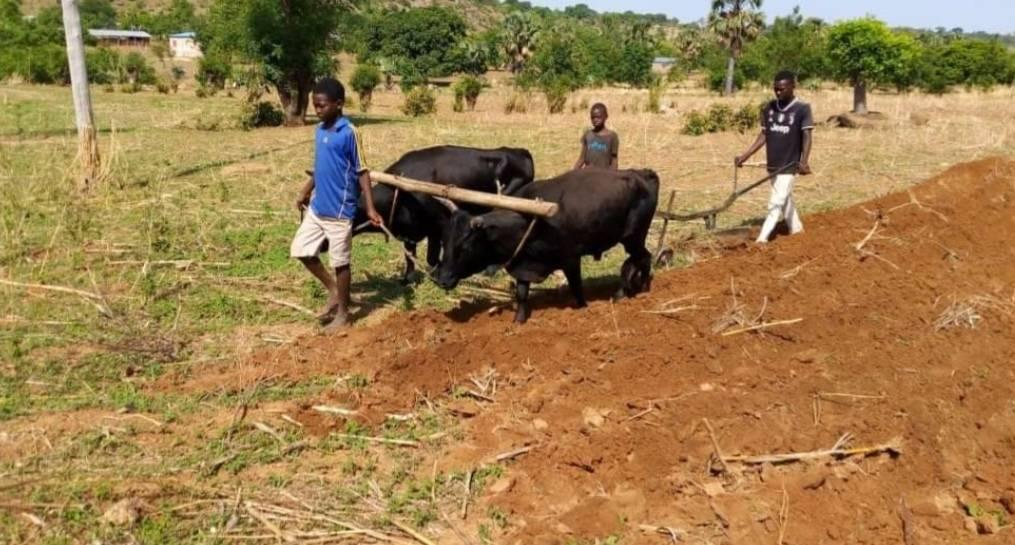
[670, 310]
[269, 525]
[287, 304]
[783, 516]
[524, 206]
[762, 326]
[877, 223]
[400, 442]
[468, 493]
[333, 410]
[908, 528]
[512, 454]
[415, 535]
[715, 445]
[892, 447]
[96, 299]
[638, 415]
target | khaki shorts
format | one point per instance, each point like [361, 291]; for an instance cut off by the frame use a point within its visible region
[315, 230]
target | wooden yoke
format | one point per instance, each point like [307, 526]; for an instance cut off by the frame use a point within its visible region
[516, 204]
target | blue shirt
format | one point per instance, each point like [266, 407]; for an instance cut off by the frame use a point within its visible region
[338, 162]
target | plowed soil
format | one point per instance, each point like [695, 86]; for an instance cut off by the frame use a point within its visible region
[901, 328]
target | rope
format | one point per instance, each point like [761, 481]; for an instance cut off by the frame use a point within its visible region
[521, 243]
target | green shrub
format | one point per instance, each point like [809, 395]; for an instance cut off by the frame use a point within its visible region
[35, 64]
[556, 97]
[721, 118]
[467, 89]
[213, 71]
[261, 114]
[103, 65]
[136, 70]
[419, 101]
[365, 79]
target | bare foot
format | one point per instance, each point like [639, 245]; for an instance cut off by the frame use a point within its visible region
[339, 320]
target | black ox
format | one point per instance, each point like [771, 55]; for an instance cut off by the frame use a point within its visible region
[598, 209]
[414, 216]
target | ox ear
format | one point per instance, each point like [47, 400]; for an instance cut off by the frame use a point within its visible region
[476, 222]
[448, 203]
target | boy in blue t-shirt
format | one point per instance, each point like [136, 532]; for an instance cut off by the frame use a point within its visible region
[340, 176]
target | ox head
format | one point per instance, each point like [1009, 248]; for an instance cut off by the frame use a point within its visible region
[466, 249]
[516, 168]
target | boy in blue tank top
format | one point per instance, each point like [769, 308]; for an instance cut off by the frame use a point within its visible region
[330, 199]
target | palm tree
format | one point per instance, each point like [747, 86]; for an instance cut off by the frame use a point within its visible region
[735, 22]
[520, 32]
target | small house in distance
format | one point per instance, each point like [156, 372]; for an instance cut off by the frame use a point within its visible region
[662, 65]
[121, 38]
[184, 46]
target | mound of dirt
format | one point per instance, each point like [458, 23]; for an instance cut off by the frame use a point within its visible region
[890, 321]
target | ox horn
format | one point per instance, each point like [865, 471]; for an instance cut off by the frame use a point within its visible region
[448, 203]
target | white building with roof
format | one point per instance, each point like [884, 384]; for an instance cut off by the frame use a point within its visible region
[184, 45]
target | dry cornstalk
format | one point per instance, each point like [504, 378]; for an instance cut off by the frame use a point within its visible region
[270, 431]
[908, 528]
[715, 445]
[765, 325]
[385, 440]
[334, 410]
[415, 535]
[783, 516]
[838, 451]
[674, 534]
[877, 223]
[512, 454]
[287, 304]
[97, 300]
[268, 524]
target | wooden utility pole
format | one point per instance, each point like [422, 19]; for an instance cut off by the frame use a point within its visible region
[88, 146]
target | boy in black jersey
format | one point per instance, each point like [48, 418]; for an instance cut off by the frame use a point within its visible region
[786, 129]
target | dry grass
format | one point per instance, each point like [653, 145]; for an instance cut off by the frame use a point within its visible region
[969, 311]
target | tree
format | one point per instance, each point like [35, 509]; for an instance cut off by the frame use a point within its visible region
[520, 33]
[735, 22]
[790, 43]
[97, 14]
[364, 80]
[421, 43]
[864, 52]
[288, 43]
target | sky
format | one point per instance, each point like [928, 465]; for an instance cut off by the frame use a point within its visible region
[986, 15]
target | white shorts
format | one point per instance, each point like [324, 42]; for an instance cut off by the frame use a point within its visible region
[315, 230]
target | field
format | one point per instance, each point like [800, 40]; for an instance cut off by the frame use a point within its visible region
[186, 398]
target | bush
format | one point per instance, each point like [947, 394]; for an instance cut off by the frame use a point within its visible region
[556, 97]
[163, 87]
[419, 101]
[518, 103]
[655, 95]
[261, 114]
[136, 70]
[35, 64]
[717, 78]
[212, 72]
[721, 118]
[103, 65]
[365, 79]
[468, 89]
